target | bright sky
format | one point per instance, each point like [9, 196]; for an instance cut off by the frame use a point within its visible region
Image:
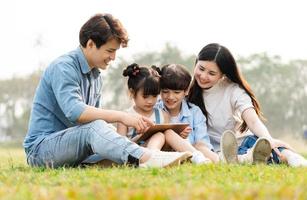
[244, 26]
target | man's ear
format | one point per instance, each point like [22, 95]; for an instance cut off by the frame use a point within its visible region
[90, 43]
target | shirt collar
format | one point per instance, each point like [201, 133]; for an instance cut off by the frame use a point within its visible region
[185, 111]
[85, 68]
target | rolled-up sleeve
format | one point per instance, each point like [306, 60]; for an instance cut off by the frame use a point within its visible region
[200, 128]
[66, 85]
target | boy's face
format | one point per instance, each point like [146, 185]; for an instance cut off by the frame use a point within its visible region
[101, 57]
[172, 99]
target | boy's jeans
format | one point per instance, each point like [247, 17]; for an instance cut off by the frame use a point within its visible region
[249, 142]
[73, 145]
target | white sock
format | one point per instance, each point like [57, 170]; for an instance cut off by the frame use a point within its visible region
[246, 158]
[294, 159]
[199, 158]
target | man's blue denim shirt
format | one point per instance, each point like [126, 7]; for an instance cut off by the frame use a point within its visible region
[192, 114]
[66, 87]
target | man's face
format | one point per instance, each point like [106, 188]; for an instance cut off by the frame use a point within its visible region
[101, 57]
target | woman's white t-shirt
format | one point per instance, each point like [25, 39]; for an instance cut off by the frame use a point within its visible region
[225, 103]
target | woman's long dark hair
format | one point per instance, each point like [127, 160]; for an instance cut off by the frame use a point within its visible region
[228, 66]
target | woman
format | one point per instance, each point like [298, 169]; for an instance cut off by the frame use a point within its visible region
[228, 102]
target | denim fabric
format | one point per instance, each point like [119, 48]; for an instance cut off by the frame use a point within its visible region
[66, 87]
[192, 114]
[54, 137]
[249, 142]
[73, 145]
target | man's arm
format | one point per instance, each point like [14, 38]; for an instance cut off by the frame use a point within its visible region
[140, 123]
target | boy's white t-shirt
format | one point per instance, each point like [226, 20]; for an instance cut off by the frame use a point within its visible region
[225, 103]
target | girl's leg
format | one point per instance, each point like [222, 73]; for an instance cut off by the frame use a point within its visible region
[156, 141]
[181, 145]
[207, 152]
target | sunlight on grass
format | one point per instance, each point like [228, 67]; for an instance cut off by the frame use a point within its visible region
[18, 181]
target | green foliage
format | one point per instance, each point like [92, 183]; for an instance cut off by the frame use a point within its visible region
[16, 97]
[281, 89]
[18, 181]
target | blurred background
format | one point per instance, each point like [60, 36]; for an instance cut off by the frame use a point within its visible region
[268, 39]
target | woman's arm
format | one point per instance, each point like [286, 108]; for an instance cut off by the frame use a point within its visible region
[255, 124]
[258, 128]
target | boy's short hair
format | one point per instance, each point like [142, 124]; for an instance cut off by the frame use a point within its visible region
[175, 77]
[101, 28]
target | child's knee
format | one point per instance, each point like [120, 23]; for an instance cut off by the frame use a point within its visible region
[160, 136]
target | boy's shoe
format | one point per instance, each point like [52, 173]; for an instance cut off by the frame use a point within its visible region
[261, 151]
[199, 158]
[229, 147]
[165, 159]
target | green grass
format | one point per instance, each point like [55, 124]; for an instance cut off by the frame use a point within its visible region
[18, 181]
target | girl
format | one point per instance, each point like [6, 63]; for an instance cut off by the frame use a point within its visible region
[144, 87]
[175, 82]
[228, 102]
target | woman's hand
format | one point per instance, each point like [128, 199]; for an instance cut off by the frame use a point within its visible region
[185, 133]
[275, 143]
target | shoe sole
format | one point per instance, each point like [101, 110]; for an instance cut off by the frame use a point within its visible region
[229, 147]
[262, 151]
[184, 157]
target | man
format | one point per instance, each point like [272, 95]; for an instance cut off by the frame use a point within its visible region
[66, 124]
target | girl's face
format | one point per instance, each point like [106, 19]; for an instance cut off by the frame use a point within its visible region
[172, 100]
[144, 103]
[207, 74]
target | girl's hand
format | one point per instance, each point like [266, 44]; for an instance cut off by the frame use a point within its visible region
[140, 123]
[185, 133]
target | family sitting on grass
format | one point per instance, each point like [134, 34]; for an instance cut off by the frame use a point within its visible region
[68, 126]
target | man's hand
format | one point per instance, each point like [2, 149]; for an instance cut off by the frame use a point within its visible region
[140, 123]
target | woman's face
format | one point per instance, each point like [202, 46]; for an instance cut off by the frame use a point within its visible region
[207, 74]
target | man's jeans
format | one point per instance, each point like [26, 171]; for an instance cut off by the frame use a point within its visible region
[73, 145]
[249, 142]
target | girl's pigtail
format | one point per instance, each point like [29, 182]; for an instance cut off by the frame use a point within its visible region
[131, 70]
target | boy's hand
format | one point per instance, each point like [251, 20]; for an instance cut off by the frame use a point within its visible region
[185, 133]
[140, 123]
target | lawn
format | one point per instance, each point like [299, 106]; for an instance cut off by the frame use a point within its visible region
[18, 181]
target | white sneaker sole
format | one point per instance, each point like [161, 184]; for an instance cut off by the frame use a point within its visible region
[184, 157]
[262, 151]
[229, 147]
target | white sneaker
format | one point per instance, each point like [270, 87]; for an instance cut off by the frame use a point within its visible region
[296, 160]
[165, 159]
[229, 147]
[261, 151]
[199, 158]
